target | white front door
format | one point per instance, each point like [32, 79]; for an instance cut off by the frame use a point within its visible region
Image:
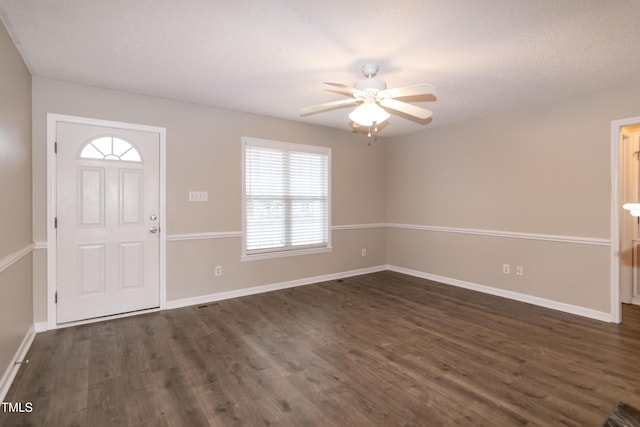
[107, 212]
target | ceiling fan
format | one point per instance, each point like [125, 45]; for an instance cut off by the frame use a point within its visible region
[374, 97]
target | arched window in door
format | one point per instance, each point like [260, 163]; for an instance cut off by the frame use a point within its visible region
[110, 148]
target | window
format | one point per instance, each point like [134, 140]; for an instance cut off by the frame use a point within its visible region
[286, 199]
[110, 148]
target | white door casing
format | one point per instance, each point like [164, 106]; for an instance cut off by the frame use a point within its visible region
[626, 224]
[633, 182]
[107, 259]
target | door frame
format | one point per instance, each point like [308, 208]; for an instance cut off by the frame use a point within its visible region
[52, 124]
[616, 128]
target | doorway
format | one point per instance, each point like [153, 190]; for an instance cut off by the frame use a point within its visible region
[622, 227]
[629, 225]
[106, 203]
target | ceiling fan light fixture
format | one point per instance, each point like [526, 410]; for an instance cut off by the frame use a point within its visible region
[375, 100]
[368, 113]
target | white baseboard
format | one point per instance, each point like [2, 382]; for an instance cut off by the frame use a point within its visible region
[41, 327]
[542, 302]
[203, 299]
[12, 369]
[555, 305]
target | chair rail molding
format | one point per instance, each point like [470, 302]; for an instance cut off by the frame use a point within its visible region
[14, 257]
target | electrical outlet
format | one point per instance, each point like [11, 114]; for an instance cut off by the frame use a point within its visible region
[520, 270]
[506, 269]
[218, 270]
[364, 252]
[198, 196]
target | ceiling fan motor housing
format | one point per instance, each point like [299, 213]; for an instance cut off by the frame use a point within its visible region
[365, 84]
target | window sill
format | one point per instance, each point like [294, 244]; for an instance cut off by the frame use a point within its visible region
[285, 254]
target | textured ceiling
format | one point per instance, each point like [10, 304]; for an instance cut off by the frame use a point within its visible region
[271, 56]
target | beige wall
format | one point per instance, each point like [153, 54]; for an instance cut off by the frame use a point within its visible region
[541, 170]
[16, 301]
[195, 261]
[204, 153]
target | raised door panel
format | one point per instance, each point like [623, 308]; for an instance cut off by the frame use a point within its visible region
[91, 263]
[131, 196]
[91, 197]
[131, 265]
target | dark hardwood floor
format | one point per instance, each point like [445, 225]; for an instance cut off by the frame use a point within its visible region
[382, 349]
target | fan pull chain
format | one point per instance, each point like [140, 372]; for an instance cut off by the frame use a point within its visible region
[375, 132]
[375, 129]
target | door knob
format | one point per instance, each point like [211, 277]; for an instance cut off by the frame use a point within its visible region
[153, 217]
[153, 229]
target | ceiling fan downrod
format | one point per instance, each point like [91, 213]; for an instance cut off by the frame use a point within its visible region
[370, 70]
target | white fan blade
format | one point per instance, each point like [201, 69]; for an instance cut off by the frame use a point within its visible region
[415, 90]
[328, 106]
[345, 89]
[405, 108]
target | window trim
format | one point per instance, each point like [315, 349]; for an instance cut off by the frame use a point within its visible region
[270, 253]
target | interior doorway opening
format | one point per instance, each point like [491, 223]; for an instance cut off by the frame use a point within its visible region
[629, 225]
[625, 229]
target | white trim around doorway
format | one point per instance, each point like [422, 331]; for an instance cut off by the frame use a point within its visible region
[52, 122]
[616, 127]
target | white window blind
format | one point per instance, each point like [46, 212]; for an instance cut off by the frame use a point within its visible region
[286, 196]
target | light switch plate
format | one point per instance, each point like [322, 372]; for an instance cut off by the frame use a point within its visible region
[198, 196]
